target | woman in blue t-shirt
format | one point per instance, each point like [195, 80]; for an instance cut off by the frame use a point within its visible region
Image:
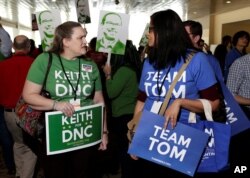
[169, 45]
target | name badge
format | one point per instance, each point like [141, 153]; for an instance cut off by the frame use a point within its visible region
[156, 107]
[76, 103]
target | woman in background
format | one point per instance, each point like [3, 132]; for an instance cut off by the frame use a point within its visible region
[122, 79]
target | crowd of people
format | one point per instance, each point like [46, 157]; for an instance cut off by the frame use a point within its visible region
[133, 80]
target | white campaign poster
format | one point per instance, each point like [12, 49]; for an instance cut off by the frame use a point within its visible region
[47, 22]
[83, 12]
[144, 39]
[112, 32]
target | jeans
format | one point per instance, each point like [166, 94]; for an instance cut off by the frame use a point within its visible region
[6, 143]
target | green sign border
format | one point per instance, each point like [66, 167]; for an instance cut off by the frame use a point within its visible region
[83, 129]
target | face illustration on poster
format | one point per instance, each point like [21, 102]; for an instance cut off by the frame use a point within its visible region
[45, 20]
[83, 11]
[110, 31]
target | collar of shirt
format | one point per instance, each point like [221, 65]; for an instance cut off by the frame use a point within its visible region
[19, 54]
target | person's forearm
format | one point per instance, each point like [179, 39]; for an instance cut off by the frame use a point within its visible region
[39, 102]
[138, 107]
[196, 105]
[105, 128]
[241, 100]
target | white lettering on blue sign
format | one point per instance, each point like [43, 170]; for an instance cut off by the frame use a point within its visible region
[176, 139]
[230, 115]
[211, 139]
[161, 142]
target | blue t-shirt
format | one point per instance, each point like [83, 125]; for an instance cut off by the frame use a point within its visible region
[198, 75]
[231, 56]
[216, 67]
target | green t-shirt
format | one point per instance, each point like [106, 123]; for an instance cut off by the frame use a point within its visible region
[57, 83]
[122, 90]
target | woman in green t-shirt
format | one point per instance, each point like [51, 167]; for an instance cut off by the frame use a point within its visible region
[72, 82]
[122, 78]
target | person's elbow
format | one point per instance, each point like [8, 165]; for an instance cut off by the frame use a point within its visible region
[29, 90]
[215, 104]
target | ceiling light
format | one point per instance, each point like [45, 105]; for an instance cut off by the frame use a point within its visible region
[228, 2]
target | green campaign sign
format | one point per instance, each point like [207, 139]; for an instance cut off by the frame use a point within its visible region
[83, 129]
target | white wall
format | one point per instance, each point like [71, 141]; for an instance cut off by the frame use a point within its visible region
[233, 16]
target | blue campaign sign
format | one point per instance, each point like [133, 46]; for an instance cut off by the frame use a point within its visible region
[180, 148]
[235, 116]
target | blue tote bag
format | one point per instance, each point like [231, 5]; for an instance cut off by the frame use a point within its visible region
[235, 115]
[216, 155]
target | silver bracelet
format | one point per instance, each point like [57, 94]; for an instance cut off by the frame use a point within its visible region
[54, 105]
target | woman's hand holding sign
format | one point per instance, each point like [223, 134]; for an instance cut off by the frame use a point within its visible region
[172, 112]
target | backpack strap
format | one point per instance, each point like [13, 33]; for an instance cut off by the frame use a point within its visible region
[169, 93]
[47, 71]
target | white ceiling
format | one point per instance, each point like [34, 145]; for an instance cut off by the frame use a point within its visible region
[188, 9]
[17, 13]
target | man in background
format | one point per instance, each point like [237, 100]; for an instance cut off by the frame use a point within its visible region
[240, 42]
[238, 149]
[222, 49]
[5, 137]
[238, 82]
[13, 73]
[5, 43]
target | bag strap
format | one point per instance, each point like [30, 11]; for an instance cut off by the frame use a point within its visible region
[207, 110]
[47, 72]
[169, 93]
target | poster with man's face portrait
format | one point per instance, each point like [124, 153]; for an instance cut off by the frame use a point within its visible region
[34, 22]
[47, 22]
[82, 10]
[144, 39]
[112, 32]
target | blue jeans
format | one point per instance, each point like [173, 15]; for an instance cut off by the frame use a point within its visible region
[6, 142]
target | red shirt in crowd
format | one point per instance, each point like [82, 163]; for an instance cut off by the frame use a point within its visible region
[13, 73]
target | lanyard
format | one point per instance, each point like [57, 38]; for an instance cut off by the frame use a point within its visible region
[159, 88]
[74, 89]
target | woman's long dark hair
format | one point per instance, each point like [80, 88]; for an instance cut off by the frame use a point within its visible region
[171, 39]
[130, 59]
